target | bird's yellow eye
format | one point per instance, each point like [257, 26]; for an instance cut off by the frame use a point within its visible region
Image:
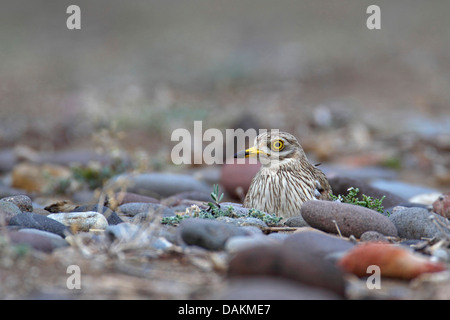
[277, 145]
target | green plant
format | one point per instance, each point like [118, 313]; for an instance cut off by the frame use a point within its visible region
[214, 211]
[366, 201]
[269, 219]
[215, 197]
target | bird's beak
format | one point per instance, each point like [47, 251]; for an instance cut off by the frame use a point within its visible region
[251, 152]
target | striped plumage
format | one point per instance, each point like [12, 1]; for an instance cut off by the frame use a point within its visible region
[286, 178]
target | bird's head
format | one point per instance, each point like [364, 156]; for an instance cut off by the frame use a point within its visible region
[272, 147]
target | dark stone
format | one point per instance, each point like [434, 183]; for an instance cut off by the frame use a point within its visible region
[317, 243]
[38, 240]
[208, 234]
[288, 262]
[36, 221]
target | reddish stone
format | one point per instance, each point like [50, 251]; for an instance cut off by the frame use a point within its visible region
[393, 261]
[236, 178]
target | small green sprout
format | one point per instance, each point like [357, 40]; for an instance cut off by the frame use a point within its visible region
[367, 201]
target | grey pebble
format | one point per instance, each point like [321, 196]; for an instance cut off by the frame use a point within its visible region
[296, 221]
[135, 208]
[238, 243]
[37, 239]
[244, 222]
[22, 201]
[7, 211]
[208, 234]
[37, 221]
[415, 223]
[373, 236]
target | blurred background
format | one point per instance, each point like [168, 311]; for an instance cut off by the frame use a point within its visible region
[355, 98]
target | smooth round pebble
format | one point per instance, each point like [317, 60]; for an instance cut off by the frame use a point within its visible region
[296, 222]
[81, 221]
[37, 239]
[415, 223]
[36, 221]
[238, 243]
[22, 201]
[320, 244]
[351, 219]
[244, 222]
[135, 208]
[7, 211]
[373, 236]
[208, 234]
[287, 262]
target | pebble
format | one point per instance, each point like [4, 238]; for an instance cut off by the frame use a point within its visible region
[208, 234]
[134, 208]
[340, 185]
[270, 288]
[351, 219]
[415, 223]
[159, 185]
[296, 222]
[319, 244]
[36, 221]
[22, 201]
[238, 209]
[123, 231]
[236, 178]
[37, 239]
[303, 266]
[7, 211]
[388, 211]
[237, 243]
[373, 236]
[244, 221]
[137, 235]
[81, 221]
[392, 260]
[111, 216]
